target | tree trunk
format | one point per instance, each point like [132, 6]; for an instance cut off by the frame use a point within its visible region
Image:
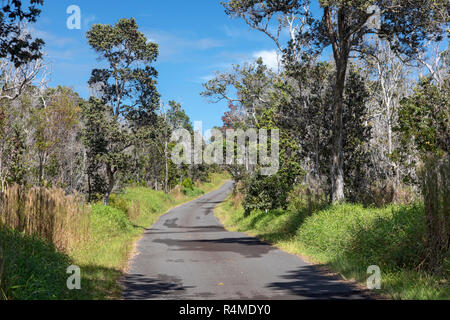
[166, 175]
[89, 188]
[111, 183]
[337, 161]
[340, 44]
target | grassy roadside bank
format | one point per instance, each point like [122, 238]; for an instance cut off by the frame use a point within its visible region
[31, 268]
[348, 239]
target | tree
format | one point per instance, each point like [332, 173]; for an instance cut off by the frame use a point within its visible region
[55, 123]
[106, 141]
[18, 47]
[271, 192]
[170, 118]
[406, 24]
[252, 82]
[424, 129]
[127, 87]
[388, 83]
[424, 119]
[128, 84]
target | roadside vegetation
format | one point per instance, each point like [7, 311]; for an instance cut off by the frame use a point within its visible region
[34, 268]
[348, 238]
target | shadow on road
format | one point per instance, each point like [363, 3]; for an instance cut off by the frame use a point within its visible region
[138, 287]
[247, 246]
[310, 283]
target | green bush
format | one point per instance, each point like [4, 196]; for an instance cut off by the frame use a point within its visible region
[269, 192]
[391, 237]
[189, 189]
[194, 192]
[110, 221]
[118, 203]
[187, 183]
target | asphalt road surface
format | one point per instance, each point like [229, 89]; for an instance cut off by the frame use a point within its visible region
[187, 254]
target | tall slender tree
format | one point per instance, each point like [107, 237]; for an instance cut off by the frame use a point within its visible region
[127, 86]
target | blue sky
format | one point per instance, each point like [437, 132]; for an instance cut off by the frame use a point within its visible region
[195, 39]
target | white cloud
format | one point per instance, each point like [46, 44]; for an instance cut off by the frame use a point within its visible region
[207, 77]
[173, 46]
[271, 58]
[51, 39]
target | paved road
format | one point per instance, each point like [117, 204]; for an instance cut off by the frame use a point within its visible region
[187, 254]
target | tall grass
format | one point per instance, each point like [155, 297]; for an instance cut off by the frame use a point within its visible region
[49, 214]
[435, 175]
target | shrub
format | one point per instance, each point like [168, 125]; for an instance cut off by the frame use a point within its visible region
[119, 203]
[187, 183]
[306, 200]
[189, 189]
[268, 193]
[109, 221]
[194, 192]
[391, 237]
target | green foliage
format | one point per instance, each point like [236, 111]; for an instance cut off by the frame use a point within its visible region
[194, 192]
[270, 192]
[125, 49]
[118, 203]
[356, 136]
[109, 221]
[24, 49]
[15, 155]
[187, 183]
[105, 140]
[129, 96]
[423, 119]
[190, 189]
[31, 269]
[344, 26]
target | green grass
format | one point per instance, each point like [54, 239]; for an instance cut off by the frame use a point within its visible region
[350, 238]
[35, 270]
[30, 268]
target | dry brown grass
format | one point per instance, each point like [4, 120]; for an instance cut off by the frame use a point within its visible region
[237, 196]
[434, 175]
[47, 213]
[177, 193]
[134, 210]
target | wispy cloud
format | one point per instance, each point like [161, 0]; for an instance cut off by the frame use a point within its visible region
[173, 46]
[52, 39]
